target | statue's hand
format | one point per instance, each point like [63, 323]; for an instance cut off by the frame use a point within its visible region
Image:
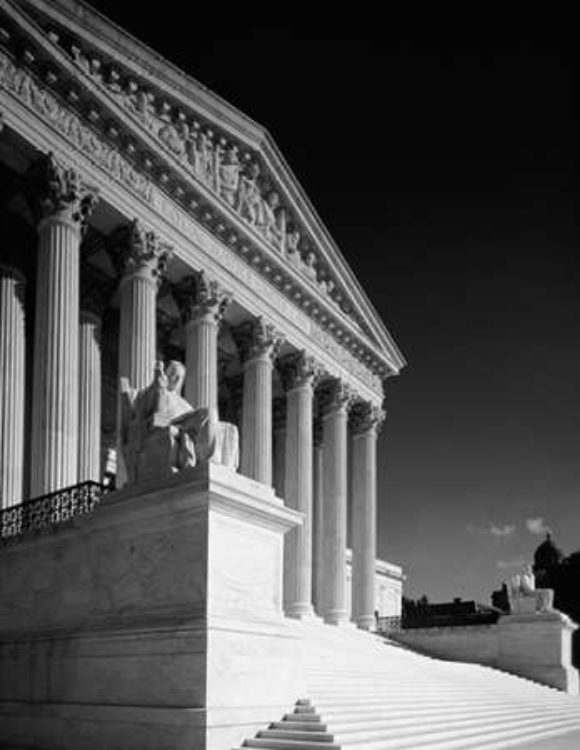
[124, 385]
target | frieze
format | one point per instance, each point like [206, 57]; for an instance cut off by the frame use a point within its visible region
[21, 84]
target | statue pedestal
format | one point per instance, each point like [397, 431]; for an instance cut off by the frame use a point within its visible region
[156, 622]
[539, 647]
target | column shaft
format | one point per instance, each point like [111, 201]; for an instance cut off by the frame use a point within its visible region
[298, 495]
[56, 339]
[138, 332]
[257, 419]
[318, 529]
[364, 528]
[335, 515]
[12, 381]
[89, 398]
[201, 361]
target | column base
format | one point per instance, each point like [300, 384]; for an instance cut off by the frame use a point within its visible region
[300, 611]
[365, 622]
[336, 617]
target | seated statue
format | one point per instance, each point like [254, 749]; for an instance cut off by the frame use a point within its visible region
[525, 598]
[162, 434]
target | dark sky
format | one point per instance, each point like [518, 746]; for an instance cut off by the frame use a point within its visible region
[445, 175]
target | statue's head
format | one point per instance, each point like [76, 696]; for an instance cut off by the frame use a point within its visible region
[175, 374]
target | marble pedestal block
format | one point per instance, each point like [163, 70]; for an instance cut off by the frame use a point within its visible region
[539, 647]
[156, 622]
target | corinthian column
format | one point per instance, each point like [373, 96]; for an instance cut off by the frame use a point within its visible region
[366, 422]
[334, 424]
[317, 520]
[93, 299]
[279, 435]
[260, 343]
[12, 379]
[142, 259]
[299, 375]
[202, 302]
[63, 204]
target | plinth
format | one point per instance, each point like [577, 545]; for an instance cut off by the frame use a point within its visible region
[156, 622]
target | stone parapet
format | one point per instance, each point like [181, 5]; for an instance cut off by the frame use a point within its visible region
[535, 646]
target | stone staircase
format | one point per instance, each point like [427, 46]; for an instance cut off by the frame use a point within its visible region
[365, 693]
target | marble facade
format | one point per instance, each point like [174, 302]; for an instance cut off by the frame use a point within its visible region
[145, 219]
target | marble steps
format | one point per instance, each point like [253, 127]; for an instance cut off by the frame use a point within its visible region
[479, 737]
[365, 695]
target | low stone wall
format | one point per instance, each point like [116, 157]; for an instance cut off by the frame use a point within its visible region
[535, 646]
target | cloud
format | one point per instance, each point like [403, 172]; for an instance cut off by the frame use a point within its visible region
[507, 564]
[507, 530]
[537, 526]
[492, 529]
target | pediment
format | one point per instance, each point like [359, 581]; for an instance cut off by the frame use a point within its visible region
[211, 158]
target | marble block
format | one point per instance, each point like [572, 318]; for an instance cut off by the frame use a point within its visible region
[539, 646]
[154, 622]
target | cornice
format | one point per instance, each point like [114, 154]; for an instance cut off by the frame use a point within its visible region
[96, 108]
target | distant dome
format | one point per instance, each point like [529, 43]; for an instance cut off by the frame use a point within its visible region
[547, 554]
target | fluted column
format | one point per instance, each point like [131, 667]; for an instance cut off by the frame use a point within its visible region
[63, 203]
[142, 259]
[299, 375]
[335, 418]
[203, 303]
[12, 380]
[366, 421]
[260, 345]
[317, 519]
[279, 433]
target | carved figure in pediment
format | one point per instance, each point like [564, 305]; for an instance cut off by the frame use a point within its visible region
[115, 84]
[309, 266]
[327, 286]
[90, 65]
[229, 175]
[206, 157]
[169, 133]
[292, 242]
[249, 199]
[140, 103]
[273, 219]
[191, 148]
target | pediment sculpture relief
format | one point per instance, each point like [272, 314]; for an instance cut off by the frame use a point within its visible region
[162, 434]
[217, 162]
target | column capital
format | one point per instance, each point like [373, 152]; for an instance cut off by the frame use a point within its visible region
[366, 417]
[199, 296]
[258, 339]
[8, 271]
[300, 370]
[137, 250]
[336, 396]
[59, 192]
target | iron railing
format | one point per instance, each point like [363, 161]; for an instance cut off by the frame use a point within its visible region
[388, 624]
[49, 511]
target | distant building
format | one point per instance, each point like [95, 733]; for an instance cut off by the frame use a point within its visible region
[448, 614]
[388, 587]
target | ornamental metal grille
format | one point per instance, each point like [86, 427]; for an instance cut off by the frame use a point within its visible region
[388, 624]
[49, 511]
